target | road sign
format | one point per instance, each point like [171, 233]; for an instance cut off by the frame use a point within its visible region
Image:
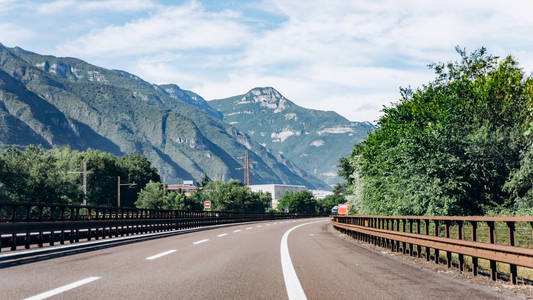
[343, 209]
[207, 205]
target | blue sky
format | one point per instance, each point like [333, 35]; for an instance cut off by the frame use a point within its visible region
[346, 56]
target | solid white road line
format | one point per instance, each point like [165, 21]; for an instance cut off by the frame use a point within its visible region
[201, 241]
[238, 230]
[292, 284]
[221, 235]
[160, 254]
[64, 288]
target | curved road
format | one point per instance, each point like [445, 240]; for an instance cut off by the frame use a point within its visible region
[235, 262]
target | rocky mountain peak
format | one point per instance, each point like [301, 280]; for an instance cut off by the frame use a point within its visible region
[267, 97]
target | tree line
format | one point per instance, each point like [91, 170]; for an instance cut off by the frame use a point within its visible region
[461, 144]
[49, 176]
[233, 196]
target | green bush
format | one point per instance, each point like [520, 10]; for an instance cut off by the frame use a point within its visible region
[459, 145]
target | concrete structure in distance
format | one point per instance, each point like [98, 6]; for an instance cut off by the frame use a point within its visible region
[277, 190]
[321, 194]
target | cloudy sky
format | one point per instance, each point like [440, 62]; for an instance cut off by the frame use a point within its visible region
[341, 55]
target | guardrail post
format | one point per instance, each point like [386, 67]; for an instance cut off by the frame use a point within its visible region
[418, 247]
[89, 212]
[62, 237]
[426, 227]
[492, 237]
[474, 239]
[436, 234]
[447, 234]
[398, 230]
[13, 235]
[411, 231]
[28, 237]
[460, 237]
[77, 238]
[511, 232]
[404, 244]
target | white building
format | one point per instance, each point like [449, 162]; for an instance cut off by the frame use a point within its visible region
[277, 190]
[321, 194]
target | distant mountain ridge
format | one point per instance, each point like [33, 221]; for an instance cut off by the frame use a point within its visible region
[313, 139]
[54, 101]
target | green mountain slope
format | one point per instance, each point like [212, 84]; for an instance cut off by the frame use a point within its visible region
[312, 139]
[64, 101]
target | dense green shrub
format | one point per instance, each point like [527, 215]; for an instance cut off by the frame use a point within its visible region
[459, 145]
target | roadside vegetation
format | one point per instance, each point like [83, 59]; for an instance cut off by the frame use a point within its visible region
[461, 144]
[224, 196]
[38, 175]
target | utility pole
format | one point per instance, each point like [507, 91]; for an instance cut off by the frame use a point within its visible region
[246, 168]
[118, 189]
[84, 173]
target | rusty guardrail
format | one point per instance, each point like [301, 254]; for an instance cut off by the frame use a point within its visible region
[26, 224]
[404, 233]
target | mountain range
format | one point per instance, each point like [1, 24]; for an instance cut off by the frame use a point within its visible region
[312, 139]
[55, 101]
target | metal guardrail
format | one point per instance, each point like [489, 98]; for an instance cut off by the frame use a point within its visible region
[26, 224]
[404, 233]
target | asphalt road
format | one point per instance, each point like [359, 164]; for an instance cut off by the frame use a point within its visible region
[236, 262]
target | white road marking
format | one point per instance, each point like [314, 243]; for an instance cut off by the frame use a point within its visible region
[267, 224]
[160, 254]
[221, 235]
[258, 226]
[64, 288]
[248, 228]
[201, 241]
[292, 284]
[238, 230]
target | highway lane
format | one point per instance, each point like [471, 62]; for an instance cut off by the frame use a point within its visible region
[331, 268]
[237, 262]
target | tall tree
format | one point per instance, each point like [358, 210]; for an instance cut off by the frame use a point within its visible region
[450, 146]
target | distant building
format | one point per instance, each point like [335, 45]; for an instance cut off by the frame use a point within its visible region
[321, 194]
[187, 189]
[277, 190]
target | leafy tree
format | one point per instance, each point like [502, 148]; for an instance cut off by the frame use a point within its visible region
[152, 196]
[234, 196]
[299, 202]
[455, 146]
[34, 174]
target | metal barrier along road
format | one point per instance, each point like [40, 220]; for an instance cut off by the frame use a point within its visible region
[505, 240]
[26, 224]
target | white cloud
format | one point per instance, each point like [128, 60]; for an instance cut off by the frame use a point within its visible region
[174, 28]
[13, 35]
[347, 56]
[60, 6]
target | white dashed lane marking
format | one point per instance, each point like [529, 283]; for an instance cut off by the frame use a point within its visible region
[160, 254]
[201, 241]
[64, 288]
[221, 235]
